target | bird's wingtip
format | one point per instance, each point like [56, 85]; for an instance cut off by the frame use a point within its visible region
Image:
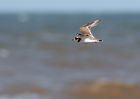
[101, 40]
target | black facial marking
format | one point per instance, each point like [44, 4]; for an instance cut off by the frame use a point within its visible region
[79, 39]
[76, 38]
[78, 34]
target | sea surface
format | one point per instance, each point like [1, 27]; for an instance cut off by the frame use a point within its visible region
[39, 60]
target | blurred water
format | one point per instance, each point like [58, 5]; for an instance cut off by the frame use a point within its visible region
[37, 49]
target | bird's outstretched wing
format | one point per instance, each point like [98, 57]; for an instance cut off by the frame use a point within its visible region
[86, 29]
[92, 24]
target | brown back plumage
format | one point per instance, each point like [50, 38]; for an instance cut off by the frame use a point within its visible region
[86, 29]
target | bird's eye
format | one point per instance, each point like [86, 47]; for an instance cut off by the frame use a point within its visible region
[86, 35]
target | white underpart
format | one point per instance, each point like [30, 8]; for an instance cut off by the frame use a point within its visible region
[88, 40]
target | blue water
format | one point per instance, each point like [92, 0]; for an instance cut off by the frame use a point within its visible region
[37, 49]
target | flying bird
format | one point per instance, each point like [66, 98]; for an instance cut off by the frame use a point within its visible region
[85, 35]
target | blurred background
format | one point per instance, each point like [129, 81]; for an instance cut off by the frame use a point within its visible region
[38, 59]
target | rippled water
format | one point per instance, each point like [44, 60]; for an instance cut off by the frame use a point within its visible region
[36, 51]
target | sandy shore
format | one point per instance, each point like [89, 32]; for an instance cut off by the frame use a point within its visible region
[103, 90]
[98, 89]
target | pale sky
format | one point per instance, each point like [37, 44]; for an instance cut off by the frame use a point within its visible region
[70, 5]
